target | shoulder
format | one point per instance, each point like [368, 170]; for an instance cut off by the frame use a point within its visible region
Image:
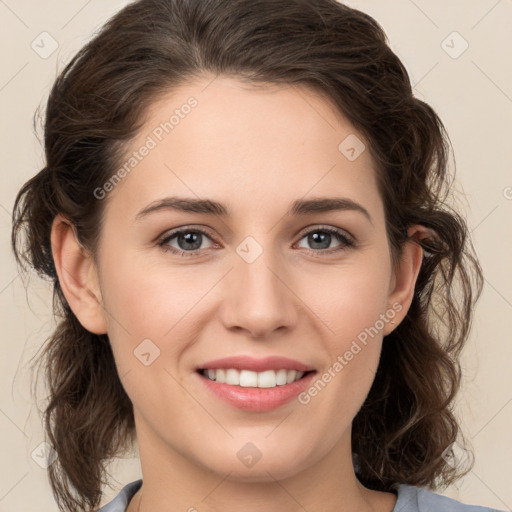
[417, 499]
[120, 502]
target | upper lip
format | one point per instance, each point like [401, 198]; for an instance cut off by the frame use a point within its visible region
[256, 365]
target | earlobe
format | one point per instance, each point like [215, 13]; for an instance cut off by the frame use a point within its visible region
[405, 274]
[77, 276]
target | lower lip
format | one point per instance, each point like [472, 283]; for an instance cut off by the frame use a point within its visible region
[257, 399]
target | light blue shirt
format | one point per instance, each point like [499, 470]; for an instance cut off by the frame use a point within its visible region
[409, 499]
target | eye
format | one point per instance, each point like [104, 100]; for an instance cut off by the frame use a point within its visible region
[189, 241]
[321, 238]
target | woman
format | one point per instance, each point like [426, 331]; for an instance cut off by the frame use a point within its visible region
[291, 357]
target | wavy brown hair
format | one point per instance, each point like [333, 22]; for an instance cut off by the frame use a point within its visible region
[95, 108]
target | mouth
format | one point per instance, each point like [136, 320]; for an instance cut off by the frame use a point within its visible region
[255, 384]
[255, 391]
[251, 379]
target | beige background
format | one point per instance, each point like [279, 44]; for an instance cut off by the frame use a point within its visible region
[473, 95]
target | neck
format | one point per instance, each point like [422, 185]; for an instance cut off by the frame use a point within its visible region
[172, 483]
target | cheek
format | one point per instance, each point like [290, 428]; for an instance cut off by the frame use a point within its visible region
[142, 303]
[351, 307]
[348, 298]
[158, 310]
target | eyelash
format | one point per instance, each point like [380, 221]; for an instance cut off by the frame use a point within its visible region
[345, 241]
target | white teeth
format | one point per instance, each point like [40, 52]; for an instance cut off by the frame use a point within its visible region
[281, 377]
[250, 379]
[232, 377]
[267, 379]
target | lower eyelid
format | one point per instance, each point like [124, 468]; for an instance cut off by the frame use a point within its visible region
[165, 241]
[345, 240]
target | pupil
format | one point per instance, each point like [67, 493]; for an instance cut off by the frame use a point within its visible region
[189, 239]
[314, 239]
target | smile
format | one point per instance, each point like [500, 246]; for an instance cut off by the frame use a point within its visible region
[252, 379]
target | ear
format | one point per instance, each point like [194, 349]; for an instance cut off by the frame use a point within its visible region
[78, 276]
[404, 276]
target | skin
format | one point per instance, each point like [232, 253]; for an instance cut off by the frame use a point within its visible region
[256, 150]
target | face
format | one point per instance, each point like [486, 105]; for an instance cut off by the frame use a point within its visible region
[259, 280]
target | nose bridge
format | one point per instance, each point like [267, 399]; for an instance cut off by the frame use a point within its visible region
[257, 299]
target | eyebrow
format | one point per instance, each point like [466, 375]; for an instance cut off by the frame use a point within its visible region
[298, 207]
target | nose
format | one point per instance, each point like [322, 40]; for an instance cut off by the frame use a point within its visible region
[258, 298]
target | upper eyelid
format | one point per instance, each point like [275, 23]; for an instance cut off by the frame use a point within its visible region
[184, 229]
[326, 227]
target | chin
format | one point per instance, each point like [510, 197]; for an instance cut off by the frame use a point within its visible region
[267, 468]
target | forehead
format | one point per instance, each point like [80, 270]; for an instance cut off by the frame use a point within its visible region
[218, 137]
